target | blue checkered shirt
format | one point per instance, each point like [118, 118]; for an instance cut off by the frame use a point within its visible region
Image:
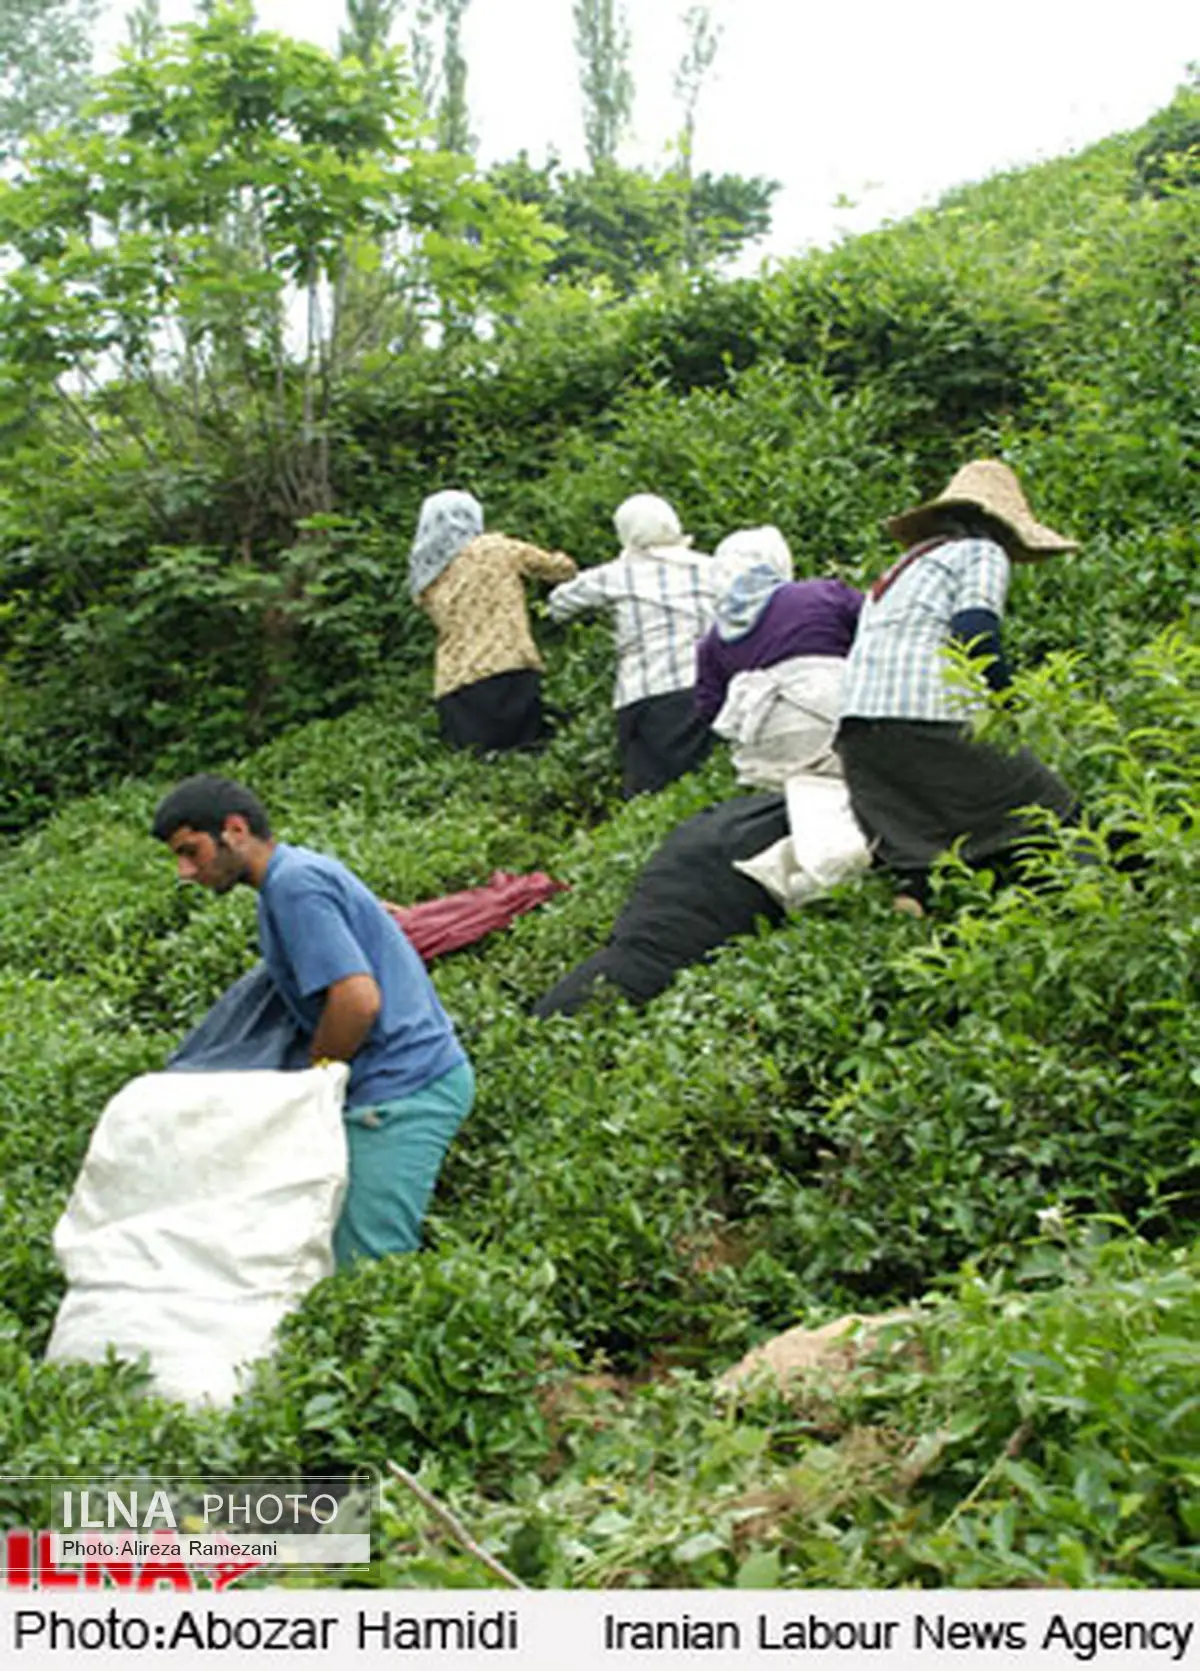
[898, 667]
[662, 604]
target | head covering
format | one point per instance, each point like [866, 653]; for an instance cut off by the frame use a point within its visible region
[447, 522]
[646, 521]
[750, 567]
[986, 485]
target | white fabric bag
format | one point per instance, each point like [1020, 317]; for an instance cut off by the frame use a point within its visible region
[203, 1212]
[780, 720]
[825, 846]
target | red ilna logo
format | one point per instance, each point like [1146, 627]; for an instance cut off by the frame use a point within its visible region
[29, 1564]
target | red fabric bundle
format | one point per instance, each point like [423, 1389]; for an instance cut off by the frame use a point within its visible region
[437, 926]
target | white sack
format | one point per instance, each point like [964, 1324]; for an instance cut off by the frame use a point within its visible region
[825, 846]
[780, 720]
[203, 1212]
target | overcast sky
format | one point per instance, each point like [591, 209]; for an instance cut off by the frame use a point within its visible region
[885, 103]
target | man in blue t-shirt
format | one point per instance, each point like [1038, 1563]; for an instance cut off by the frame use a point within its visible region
[356, 989]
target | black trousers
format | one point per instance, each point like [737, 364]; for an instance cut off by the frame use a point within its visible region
[687, 901]
[661, 738]
[499, 713]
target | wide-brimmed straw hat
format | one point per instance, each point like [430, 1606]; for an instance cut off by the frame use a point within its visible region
[987, 485]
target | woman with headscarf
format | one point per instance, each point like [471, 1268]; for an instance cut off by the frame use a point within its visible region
[471, 584]
[919, 781]
[769, 670]
[661, 594]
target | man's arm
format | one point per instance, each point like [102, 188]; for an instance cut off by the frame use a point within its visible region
[351, 1006]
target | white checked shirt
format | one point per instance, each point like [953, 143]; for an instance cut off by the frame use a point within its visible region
[897, 667]
[663, 602]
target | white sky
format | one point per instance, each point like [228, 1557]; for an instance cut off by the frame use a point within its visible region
[886, 103]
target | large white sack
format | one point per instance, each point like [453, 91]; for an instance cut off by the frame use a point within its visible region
[825, 845]
[780, 720]
[203, 1212]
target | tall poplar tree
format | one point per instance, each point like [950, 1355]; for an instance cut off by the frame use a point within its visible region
[602, 43]
[453, 123]
[369, 24]
[439, 75]
[45, 55]
[703, 39]
[143, 26]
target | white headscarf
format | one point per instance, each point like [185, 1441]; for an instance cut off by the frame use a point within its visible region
[751, 565]
[645, 522]
[447, 522]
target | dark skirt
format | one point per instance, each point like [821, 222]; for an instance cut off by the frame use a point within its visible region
[501, 712]
[918, 786]
[687, 901]
[661, 738]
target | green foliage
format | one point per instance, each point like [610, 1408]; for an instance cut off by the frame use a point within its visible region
[45, 54]
[1169, 159]
[369, 24]
[169, 537]
[620, 226]
[602, 44]
[1035, 1426]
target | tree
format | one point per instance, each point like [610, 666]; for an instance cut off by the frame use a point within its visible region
[369, 25]
[602, 44]
[176, 328]
[45, 54]
[624, 225]
[453, 124]
[143, 26]
[703, 39]
[208, 219]
[440, 78]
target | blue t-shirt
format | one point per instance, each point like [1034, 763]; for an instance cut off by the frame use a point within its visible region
[317, 923]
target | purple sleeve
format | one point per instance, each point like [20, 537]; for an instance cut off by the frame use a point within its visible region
[711, 681]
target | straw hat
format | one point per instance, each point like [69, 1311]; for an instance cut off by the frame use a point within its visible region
[987, 485]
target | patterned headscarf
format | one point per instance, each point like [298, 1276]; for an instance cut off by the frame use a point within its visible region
[751, 566]
[447, 522]
[646, 521]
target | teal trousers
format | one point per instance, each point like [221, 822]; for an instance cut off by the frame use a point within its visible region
[396, 1151]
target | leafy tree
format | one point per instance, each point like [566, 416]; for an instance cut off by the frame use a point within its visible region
[143, 26]
[45, 53]
[423, 54]
[453, 126]
[624, 225]
[369, 25]
[180, 317]
[441, 79]
[197, 239]
[602, 44]
[703, 39]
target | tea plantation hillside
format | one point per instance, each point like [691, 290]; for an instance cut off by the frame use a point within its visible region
[986, 1118]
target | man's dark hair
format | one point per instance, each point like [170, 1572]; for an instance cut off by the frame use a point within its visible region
[204, 802]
